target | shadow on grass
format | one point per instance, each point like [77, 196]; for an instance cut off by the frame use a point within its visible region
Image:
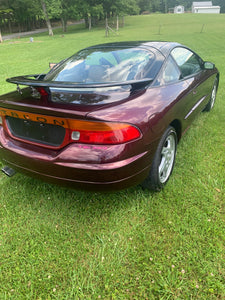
[59, 200]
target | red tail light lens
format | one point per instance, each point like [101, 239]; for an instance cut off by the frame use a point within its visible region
[103, 133]
[80, 131]
[42, 91]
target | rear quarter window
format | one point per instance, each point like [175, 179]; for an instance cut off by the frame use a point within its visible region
[170, 73]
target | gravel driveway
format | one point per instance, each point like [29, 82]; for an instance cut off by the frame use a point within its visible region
[30, 33]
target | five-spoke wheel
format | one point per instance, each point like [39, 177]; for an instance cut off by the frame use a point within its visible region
[212, 100]
[163, 161]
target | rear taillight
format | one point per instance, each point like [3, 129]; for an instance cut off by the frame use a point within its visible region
[77, 131]
[42, 91]
[103, 132]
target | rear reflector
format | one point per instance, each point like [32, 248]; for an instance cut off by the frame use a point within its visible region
[75, 136]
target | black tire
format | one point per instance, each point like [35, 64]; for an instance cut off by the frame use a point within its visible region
[212, 100]
[163, 162]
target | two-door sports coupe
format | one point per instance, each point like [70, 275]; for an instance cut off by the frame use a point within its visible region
[108, 117]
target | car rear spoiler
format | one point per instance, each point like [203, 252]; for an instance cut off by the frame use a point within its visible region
[37, 81]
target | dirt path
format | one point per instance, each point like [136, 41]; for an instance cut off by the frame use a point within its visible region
[30, 33]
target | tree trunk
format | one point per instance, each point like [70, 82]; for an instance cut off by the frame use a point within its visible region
[86, 21]
[50, 32]
[89, 22]
[64, 24]
[1, 40]
[10, 26]
[19, 28]
[106, 27]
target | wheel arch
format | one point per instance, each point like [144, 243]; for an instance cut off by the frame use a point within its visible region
[218, 78]
[176, 124]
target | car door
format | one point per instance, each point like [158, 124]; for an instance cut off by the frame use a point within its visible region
[192, 71]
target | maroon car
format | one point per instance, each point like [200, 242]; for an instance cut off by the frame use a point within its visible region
[108, 117]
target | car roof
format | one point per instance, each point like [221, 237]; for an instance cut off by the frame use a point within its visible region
[163, 47]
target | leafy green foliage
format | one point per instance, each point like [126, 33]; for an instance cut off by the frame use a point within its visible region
[25, 13]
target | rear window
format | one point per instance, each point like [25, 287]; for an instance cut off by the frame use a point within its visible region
[105, 65]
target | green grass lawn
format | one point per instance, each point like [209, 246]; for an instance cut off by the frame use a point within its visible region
[66, 244]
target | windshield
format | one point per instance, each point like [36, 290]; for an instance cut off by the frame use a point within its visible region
[95, 65]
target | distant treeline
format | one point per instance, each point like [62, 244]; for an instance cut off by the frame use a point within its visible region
[23, 15]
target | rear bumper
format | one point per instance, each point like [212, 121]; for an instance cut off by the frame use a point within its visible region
[77, 166]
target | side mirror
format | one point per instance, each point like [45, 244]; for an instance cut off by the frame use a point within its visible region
[208, 65]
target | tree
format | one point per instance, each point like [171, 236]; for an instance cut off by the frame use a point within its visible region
[50, 31]
[144, 5]
[221, 3]
[5, 15]
[121, 7]
[90, 10]
[21, 14]
[68, 9]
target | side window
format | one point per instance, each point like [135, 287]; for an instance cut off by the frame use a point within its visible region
[188, 62]
[170, 73]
